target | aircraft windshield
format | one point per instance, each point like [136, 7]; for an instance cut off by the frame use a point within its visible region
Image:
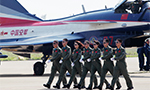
[119, 3]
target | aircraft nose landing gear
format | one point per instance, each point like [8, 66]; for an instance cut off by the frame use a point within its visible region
[39, 67]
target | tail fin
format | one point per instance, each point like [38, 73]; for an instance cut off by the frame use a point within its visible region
[12, 12]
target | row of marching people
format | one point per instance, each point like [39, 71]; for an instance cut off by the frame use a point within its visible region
[92, 63]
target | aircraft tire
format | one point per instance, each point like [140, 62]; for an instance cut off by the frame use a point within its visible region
[38, 69]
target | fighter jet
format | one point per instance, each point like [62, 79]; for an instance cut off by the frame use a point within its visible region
[23, 33]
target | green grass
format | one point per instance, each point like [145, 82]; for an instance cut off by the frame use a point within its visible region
[13, 57]
[131, 52]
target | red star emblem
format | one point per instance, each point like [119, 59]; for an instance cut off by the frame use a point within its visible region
[56, 51]
[65, 50]
[106, 50]
[95, 51]
[76, 51]
[87, 51]
[119, 51]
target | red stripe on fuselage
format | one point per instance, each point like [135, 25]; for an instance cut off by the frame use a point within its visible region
[8, 21]
[49, 23]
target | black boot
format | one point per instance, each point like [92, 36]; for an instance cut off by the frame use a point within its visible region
[57, 86]
[108, 86]
[83, 87]
[75, 86]
[89, 88]
[96, 87]
[46, 85]
[100, 88]
[79, 86]
[130, 88]
[118, 87]
[67, 86]
[111, 88]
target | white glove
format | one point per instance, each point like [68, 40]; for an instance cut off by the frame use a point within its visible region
[89, 60]
[60, 61]
[72, 64]
[112, 59]
[49, 61]
[81, 61]
[100, 58]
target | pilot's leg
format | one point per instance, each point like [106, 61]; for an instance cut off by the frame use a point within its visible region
[62, 73]
[64, 78]
[73, 73]
[93, 70]
[147, 54]
[70, 71]
[141, 58]
[53, 72]
[85, 70]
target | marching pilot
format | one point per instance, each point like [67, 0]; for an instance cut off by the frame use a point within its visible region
[87, 51]
[56, 56]
[76, 64]
[120, 66]
[96, 64]
[108, 64]
[66, 63]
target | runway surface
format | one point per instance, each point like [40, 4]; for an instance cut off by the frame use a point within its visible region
[18, 75]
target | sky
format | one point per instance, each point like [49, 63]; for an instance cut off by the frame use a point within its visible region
[54, 9]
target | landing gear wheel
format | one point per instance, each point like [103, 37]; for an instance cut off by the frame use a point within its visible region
[38, 68]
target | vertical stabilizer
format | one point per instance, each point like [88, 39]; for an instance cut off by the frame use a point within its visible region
[12, 12]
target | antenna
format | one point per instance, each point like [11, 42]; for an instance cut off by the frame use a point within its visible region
[43, 17]
[105, 7]
[83, 9]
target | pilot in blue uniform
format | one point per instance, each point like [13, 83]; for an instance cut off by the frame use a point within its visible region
[141, 58]
[147, 54]
[141, 51]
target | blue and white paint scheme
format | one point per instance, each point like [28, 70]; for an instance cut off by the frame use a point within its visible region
[23, 33]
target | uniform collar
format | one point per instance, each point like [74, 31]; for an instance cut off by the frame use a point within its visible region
[65, 47]
[55, 48]
[106, 47]
[96, 49]
[87, 48]
[77, 49]
[119, 48]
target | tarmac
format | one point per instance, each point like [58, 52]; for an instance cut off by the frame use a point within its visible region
[18, 75]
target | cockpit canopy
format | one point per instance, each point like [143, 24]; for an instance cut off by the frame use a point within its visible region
[133, 7]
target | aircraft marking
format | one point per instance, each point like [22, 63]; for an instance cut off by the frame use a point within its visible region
[124, 16]
[3, 33]
[92, 38]
[111, 39]
[19, 32]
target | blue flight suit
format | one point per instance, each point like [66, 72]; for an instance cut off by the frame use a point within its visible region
[140, 52]
[147, 54]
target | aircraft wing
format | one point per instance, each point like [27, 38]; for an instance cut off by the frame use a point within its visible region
[40, 40]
